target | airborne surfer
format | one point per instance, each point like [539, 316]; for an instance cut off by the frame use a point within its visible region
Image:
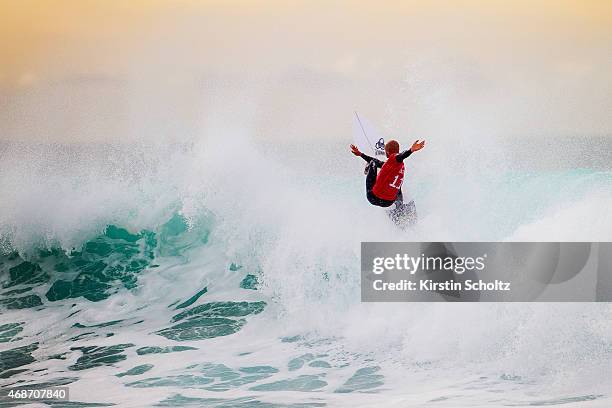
[384, 189]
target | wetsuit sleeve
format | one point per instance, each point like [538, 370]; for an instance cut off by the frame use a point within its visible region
[401, 156]
[369, 159]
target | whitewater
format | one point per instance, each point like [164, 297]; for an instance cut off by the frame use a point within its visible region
[224, 272]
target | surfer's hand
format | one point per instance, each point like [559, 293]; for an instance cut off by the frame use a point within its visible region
[416, 146]
[355, 150]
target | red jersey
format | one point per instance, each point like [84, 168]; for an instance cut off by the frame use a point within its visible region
[389, 180]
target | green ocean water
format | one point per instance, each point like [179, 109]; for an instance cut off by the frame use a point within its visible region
[151, 285]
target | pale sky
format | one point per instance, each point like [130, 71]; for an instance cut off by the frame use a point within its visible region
[96, 70]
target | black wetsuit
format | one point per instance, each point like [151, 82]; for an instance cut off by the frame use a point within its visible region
[373, 165]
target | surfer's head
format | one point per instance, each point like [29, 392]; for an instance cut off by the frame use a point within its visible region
[391, 147]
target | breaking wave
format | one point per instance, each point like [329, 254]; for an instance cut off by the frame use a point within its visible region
[232, 280]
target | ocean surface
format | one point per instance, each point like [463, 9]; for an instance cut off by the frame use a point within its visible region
[172, 275]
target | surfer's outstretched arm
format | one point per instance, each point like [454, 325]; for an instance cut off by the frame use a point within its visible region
[379, 163]
[416, 146]
[365, 157]
[403, 155]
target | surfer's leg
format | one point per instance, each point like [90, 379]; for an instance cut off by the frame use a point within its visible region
[370, 181]
[400, 197]
[371, 175]
[378, 201]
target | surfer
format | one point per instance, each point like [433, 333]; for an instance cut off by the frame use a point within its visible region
[385, 188]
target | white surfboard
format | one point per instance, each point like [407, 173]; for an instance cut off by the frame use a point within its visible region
[367, 139]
